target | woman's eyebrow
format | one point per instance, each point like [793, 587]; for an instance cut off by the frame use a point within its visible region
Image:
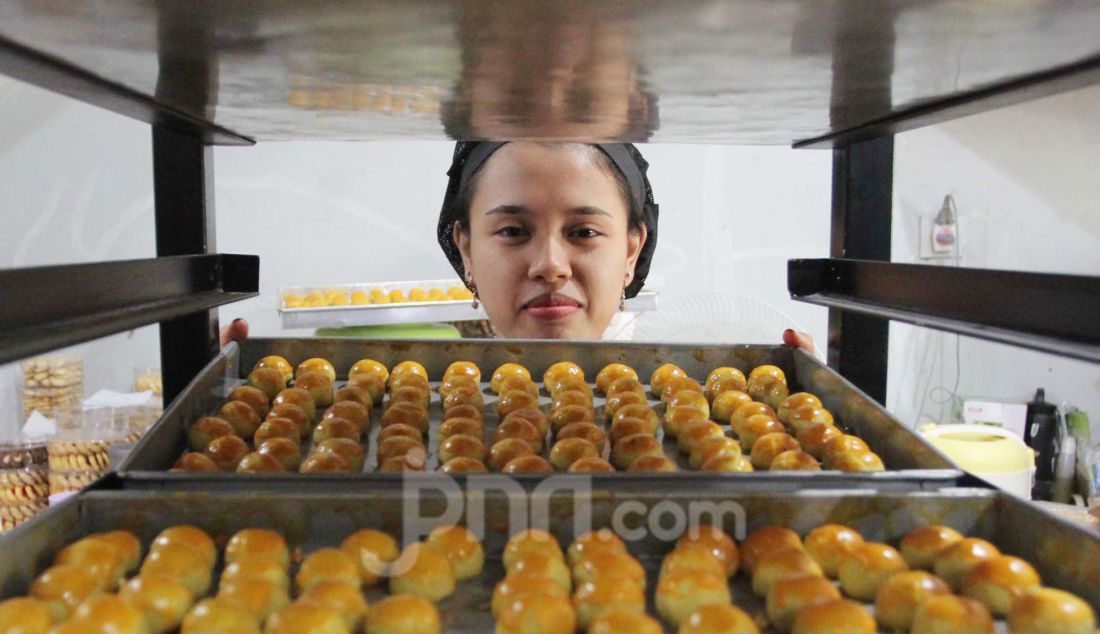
[514, 210]
[589, 211]
[507, 209]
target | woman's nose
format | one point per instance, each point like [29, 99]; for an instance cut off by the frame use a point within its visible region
[549, 261]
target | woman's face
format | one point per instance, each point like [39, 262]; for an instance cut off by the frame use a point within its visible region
[548, 244]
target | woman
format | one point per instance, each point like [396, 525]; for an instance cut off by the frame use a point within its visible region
[551, 238]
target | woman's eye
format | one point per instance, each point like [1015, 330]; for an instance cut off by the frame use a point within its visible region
[585, 232]
[510, 232]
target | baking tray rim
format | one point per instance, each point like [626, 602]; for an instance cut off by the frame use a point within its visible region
[988, 509]
[231, 355]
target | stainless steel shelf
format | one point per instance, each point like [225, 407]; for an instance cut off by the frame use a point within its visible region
[822, 74]
[1007, 93]
[43, 70]
[52, 307]
[1042, 311]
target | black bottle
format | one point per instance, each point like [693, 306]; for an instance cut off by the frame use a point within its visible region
[1042, 420]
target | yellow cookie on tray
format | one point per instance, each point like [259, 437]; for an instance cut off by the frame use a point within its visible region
[422, 570]
[461, 547]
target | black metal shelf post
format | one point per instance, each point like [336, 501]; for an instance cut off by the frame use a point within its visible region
[184, 193]
[863, 184]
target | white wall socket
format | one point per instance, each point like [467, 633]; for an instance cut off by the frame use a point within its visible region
[930, 248]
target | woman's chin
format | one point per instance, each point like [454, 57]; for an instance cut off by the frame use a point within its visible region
[571, 327]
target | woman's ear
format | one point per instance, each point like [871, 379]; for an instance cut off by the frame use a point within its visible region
[635, 240]
[462, 241]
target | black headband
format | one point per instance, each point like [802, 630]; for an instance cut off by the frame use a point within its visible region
[470, 156]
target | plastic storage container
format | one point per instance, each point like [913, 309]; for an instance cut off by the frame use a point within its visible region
[994, 454]
[24, 482]
[81, 456]
[52, 384]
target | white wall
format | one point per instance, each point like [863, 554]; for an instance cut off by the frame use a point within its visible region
[77, 186]
[1025, 183]
[320, 214]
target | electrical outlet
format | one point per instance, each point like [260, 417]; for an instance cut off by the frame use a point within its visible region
[937, 242]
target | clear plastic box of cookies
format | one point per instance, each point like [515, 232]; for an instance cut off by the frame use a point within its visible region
[52, 383]
[24, 481]
[379, 303]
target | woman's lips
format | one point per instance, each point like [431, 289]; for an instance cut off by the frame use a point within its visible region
[552, 306]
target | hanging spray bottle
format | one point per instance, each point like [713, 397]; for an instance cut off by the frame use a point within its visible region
[1039, 432]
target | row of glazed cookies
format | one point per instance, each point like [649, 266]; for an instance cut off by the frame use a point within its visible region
[578, 441]
[935, 581]
[405, 419]
[771, 428]
[797, 433]
[264, 423]
[572, 419]
[514, 444]
[634, 425]
[608, 587]
[524, 428]
[596, 584]
[694, 414]
[599, 587]
[518, 442]
[87, 590]
[546, 590]
[362, 297]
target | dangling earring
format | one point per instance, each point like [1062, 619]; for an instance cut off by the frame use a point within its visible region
[622, 301]
[473, 289]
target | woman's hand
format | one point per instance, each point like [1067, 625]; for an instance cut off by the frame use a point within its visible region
[795, 339]
[237, 330]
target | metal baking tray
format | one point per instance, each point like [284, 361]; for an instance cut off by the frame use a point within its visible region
[1067, 556]
[402, 312]
[911, 462]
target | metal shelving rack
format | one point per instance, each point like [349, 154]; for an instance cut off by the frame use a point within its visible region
[812, 73]
[105, 59]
